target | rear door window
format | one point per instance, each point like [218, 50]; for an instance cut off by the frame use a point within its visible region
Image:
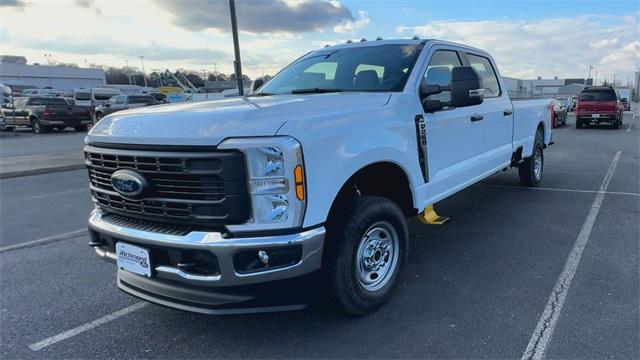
[598, 95]
[483, 67]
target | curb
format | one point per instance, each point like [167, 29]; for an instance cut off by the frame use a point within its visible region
[39, 171]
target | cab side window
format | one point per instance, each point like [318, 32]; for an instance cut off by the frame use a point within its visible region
[483, 67]
[439, 72]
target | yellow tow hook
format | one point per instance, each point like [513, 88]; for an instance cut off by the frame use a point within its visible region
[430, 217]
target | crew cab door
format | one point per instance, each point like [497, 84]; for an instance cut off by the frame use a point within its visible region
[497, 112]
[20, 112]
[454, 135]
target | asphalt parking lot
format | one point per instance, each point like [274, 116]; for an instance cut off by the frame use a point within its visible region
[515, 269]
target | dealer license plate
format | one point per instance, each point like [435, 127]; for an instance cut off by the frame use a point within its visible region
[133, 259]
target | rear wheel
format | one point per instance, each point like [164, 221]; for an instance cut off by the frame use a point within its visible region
[616, 124]
[579, 124]
[366, 247]
[98, 116]
[530, 171]
[81, 128]
[37, 127]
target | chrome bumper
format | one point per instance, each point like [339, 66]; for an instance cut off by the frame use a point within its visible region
[311, 242]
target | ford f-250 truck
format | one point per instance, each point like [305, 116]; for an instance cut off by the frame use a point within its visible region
[229, 206]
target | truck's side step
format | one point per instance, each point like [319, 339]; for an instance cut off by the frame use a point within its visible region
[430, 217]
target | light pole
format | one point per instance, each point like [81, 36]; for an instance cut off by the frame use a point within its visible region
[236, 46]
[144, 74]
[126, 61]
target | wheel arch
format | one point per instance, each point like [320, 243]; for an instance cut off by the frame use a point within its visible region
[382, 178]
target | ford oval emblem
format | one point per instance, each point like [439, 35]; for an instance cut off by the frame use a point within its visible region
[128, 183]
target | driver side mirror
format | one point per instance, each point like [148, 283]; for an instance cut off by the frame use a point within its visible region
[256, 84]
[466, 87]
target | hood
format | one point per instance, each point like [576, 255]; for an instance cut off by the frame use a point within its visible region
[210, 122]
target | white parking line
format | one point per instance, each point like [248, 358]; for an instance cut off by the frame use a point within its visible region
[46, 240]
[86, 327]
[547, 323]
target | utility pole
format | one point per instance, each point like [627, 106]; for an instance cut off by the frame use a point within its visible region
[127, 69]
[236, 46]
[590, 68]
[144, 74]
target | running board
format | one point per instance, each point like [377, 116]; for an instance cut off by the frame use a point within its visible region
[430, 217]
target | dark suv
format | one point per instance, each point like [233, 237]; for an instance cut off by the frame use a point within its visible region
[599, 104]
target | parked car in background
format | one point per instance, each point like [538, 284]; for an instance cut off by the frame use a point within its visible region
[123, 102]
[625, 104]
[597, 105]
[559, 113]
[45, 113]
[94, 97]
[159, 97]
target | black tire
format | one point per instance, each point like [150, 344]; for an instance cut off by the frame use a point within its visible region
[359, 216]
[529, 177]
[579, 124]
[98, 116]
[81, 128]
[38, 128]
[6, 128]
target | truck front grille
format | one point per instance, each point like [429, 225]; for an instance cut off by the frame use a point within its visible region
[197, 188]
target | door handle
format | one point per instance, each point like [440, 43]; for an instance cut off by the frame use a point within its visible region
[507, 112]
[476, 117]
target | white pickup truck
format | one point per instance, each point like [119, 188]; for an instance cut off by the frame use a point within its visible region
[234, 205]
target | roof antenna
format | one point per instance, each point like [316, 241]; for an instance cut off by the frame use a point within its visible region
[363, 40]
[415, 37]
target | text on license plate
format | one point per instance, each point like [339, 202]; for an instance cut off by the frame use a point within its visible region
[595, 116]
[133, 258]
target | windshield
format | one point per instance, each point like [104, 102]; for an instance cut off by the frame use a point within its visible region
[370, 68]
[83, 96]
[598, 95]
[140, 99]
[47, 101]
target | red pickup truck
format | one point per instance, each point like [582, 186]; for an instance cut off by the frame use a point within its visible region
[599, 104]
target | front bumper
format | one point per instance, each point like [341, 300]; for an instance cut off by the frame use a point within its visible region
[228, 291]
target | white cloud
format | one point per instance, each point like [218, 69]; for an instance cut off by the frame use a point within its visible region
[563, 47]
[351, 27]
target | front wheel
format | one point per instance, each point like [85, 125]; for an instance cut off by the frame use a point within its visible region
[366, 247]
[531, 169]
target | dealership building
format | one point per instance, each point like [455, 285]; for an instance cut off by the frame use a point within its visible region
[15, 70]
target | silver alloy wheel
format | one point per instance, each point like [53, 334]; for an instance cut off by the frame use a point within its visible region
[377, 256]
[537, 164]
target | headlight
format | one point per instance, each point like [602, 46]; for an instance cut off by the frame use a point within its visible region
[275, 180]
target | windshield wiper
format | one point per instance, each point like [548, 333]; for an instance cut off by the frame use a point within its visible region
[261, 94]
[316, 90]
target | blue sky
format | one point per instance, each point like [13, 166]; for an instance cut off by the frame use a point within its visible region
[527, 38]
